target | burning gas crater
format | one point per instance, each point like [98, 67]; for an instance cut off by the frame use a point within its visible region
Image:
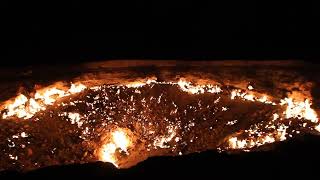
[125, 124]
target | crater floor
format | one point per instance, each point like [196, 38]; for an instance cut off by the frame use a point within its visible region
[124, 115]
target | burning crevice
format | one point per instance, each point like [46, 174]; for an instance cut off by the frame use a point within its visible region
[126, 122]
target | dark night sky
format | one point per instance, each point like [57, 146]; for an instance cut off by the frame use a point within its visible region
[157, 30]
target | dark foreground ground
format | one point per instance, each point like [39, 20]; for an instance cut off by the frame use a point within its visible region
[294, 158]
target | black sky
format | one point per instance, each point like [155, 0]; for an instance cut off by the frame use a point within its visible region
[81, 32]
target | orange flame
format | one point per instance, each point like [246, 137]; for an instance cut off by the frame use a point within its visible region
[119, 140]
[22, 107]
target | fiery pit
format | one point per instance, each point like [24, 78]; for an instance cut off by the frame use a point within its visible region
[124, 114]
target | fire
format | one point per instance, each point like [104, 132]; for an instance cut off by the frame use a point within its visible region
[198, 89]
[235, 143]
[22, 107]
[275, 116]
[250, 97]
[76, 88]
[299, 110]
[243, 95]
[50, 95]
[75, 119]
[275, 128]
[187, 87]
[107, 153]
[294, 109]
[281, 132]
[137, 84]
[16, 106]
[263, 99]
[119, 140]
[317, 128]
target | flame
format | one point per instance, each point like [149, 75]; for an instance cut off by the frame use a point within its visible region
[22, 107]
[317, 128]
[120, 140]
[299, 110]
[137, 84]
[263, 99]
[275, 116]
[235, 143]
[107, 153]
[15, 107]
[281, 132]
[187, 87]
[198, 89]
[50, 95]
[76, 88]
[75, 118]
[250, 97]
